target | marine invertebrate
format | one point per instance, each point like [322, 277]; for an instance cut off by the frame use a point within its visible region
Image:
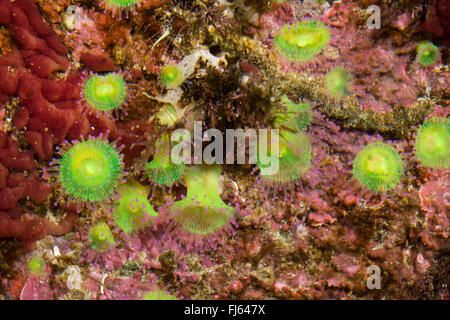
[301, 41]
[117, 6]
[36, 265]
[105, 92]
[90, 170]
[132, 211]
[378, 166]
[172, 76]
[295, 116]
[167, 115]
[433, 142]
[202, 214]
[427, 53]
[159, 295]
[100, 237]
[161, 170]
[339, 82]
[294, 156]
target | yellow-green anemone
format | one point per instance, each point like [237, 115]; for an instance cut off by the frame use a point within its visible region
[90, 170]
[339, 82]
[100, 237]
[159, 295]
[302, 40]
[378, 166]
[161, 170]
[105, 92]
[202, 211]
[36, 265]
[172, 76]
[433, 143]
[117, 6]
[294, 156]
[427, 53]
[295, 116]
[133, 211]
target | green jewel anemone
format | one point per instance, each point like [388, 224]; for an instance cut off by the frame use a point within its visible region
[101, 238]
[378, 166]
[294, 156]
[301, 41]
[36, 265]
[339, 82]
[161, 170]
[133, 210]
[433, 143]
[295, 116]
[106, 92]
[90, 170]
[159, 295]
[427, 53]
[120, 5]
[167, 115]
[202, 211]
[172, 76]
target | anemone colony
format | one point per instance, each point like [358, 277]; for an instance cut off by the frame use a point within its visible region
[231, 65]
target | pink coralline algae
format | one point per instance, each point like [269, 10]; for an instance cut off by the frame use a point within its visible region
[435, 201]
